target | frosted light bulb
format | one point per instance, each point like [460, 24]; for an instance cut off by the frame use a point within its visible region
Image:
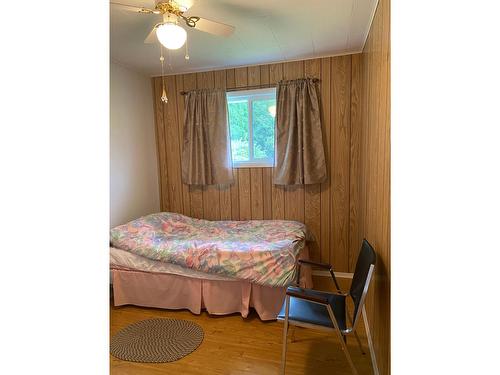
[171, 35]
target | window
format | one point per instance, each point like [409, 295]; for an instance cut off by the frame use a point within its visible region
[251, 124]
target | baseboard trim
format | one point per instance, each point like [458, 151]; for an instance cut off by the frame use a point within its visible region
[342, 275]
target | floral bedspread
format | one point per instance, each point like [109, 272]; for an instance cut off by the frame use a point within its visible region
[261, 251]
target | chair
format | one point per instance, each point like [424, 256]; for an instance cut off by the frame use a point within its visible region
[327, 311]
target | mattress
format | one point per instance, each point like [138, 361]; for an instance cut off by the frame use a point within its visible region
[121, 259]
[264, 252]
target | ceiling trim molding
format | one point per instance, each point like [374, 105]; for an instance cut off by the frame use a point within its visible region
[210, 69]
[367, 31]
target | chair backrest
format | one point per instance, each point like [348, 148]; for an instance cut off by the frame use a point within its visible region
[362, 276]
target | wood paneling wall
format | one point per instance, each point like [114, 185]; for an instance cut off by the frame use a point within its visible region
[370, 166]
[325, 208]
[351, 205]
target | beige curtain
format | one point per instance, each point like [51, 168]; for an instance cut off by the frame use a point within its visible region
[206, 151]
[300, 155]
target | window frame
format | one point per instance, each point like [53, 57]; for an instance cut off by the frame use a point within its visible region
[250, 96]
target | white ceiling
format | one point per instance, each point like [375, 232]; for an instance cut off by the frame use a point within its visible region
[266, 31]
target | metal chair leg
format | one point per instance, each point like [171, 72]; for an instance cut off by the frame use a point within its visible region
[342, 342]
[346, 352]
[370, 342]
[285, 331]
[356, 335]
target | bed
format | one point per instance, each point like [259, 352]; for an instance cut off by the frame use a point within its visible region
[172, 261]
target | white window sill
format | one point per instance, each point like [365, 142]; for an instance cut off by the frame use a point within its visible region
[253, 164]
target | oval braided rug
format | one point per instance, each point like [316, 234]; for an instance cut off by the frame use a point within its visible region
[156, 340]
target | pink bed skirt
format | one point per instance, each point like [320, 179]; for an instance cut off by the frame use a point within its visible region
[217, 297]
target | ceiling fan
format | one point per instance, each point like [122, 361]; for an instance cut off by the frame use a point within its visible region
[168, 31]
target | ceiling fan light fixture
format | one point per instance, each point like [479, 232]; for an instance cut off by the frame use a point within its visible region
[172, 36]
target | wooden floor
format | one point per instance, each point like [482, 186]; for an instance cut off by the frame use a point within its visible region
[233, 345]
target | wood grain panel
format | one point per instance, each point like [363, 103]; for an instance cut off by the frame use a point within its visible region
[340, 133]
[264, 74]
[230, 78]
[245, 193]
[253, 75]
[267, 197]
[235, 196]
[172, 141]
[160, 142]
[373, 217]
[325, 84]
[257, 203]
[241, 77]
[355, 238]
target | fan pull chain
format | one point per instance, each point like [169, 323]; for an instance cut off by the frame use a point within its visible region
[164, 98]
[169, 60]
[186, 56]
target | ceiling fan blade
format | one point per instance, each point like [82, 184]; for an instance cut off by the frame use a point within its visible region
[214, 27]
[151, 38]
[185, 4]
[134, 9]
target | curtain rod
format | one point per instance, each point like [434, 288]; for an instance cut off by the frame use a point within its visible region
[265, 86]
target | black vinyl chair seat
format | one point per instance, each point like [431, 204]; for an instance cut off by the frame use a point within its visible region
[313, 313]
